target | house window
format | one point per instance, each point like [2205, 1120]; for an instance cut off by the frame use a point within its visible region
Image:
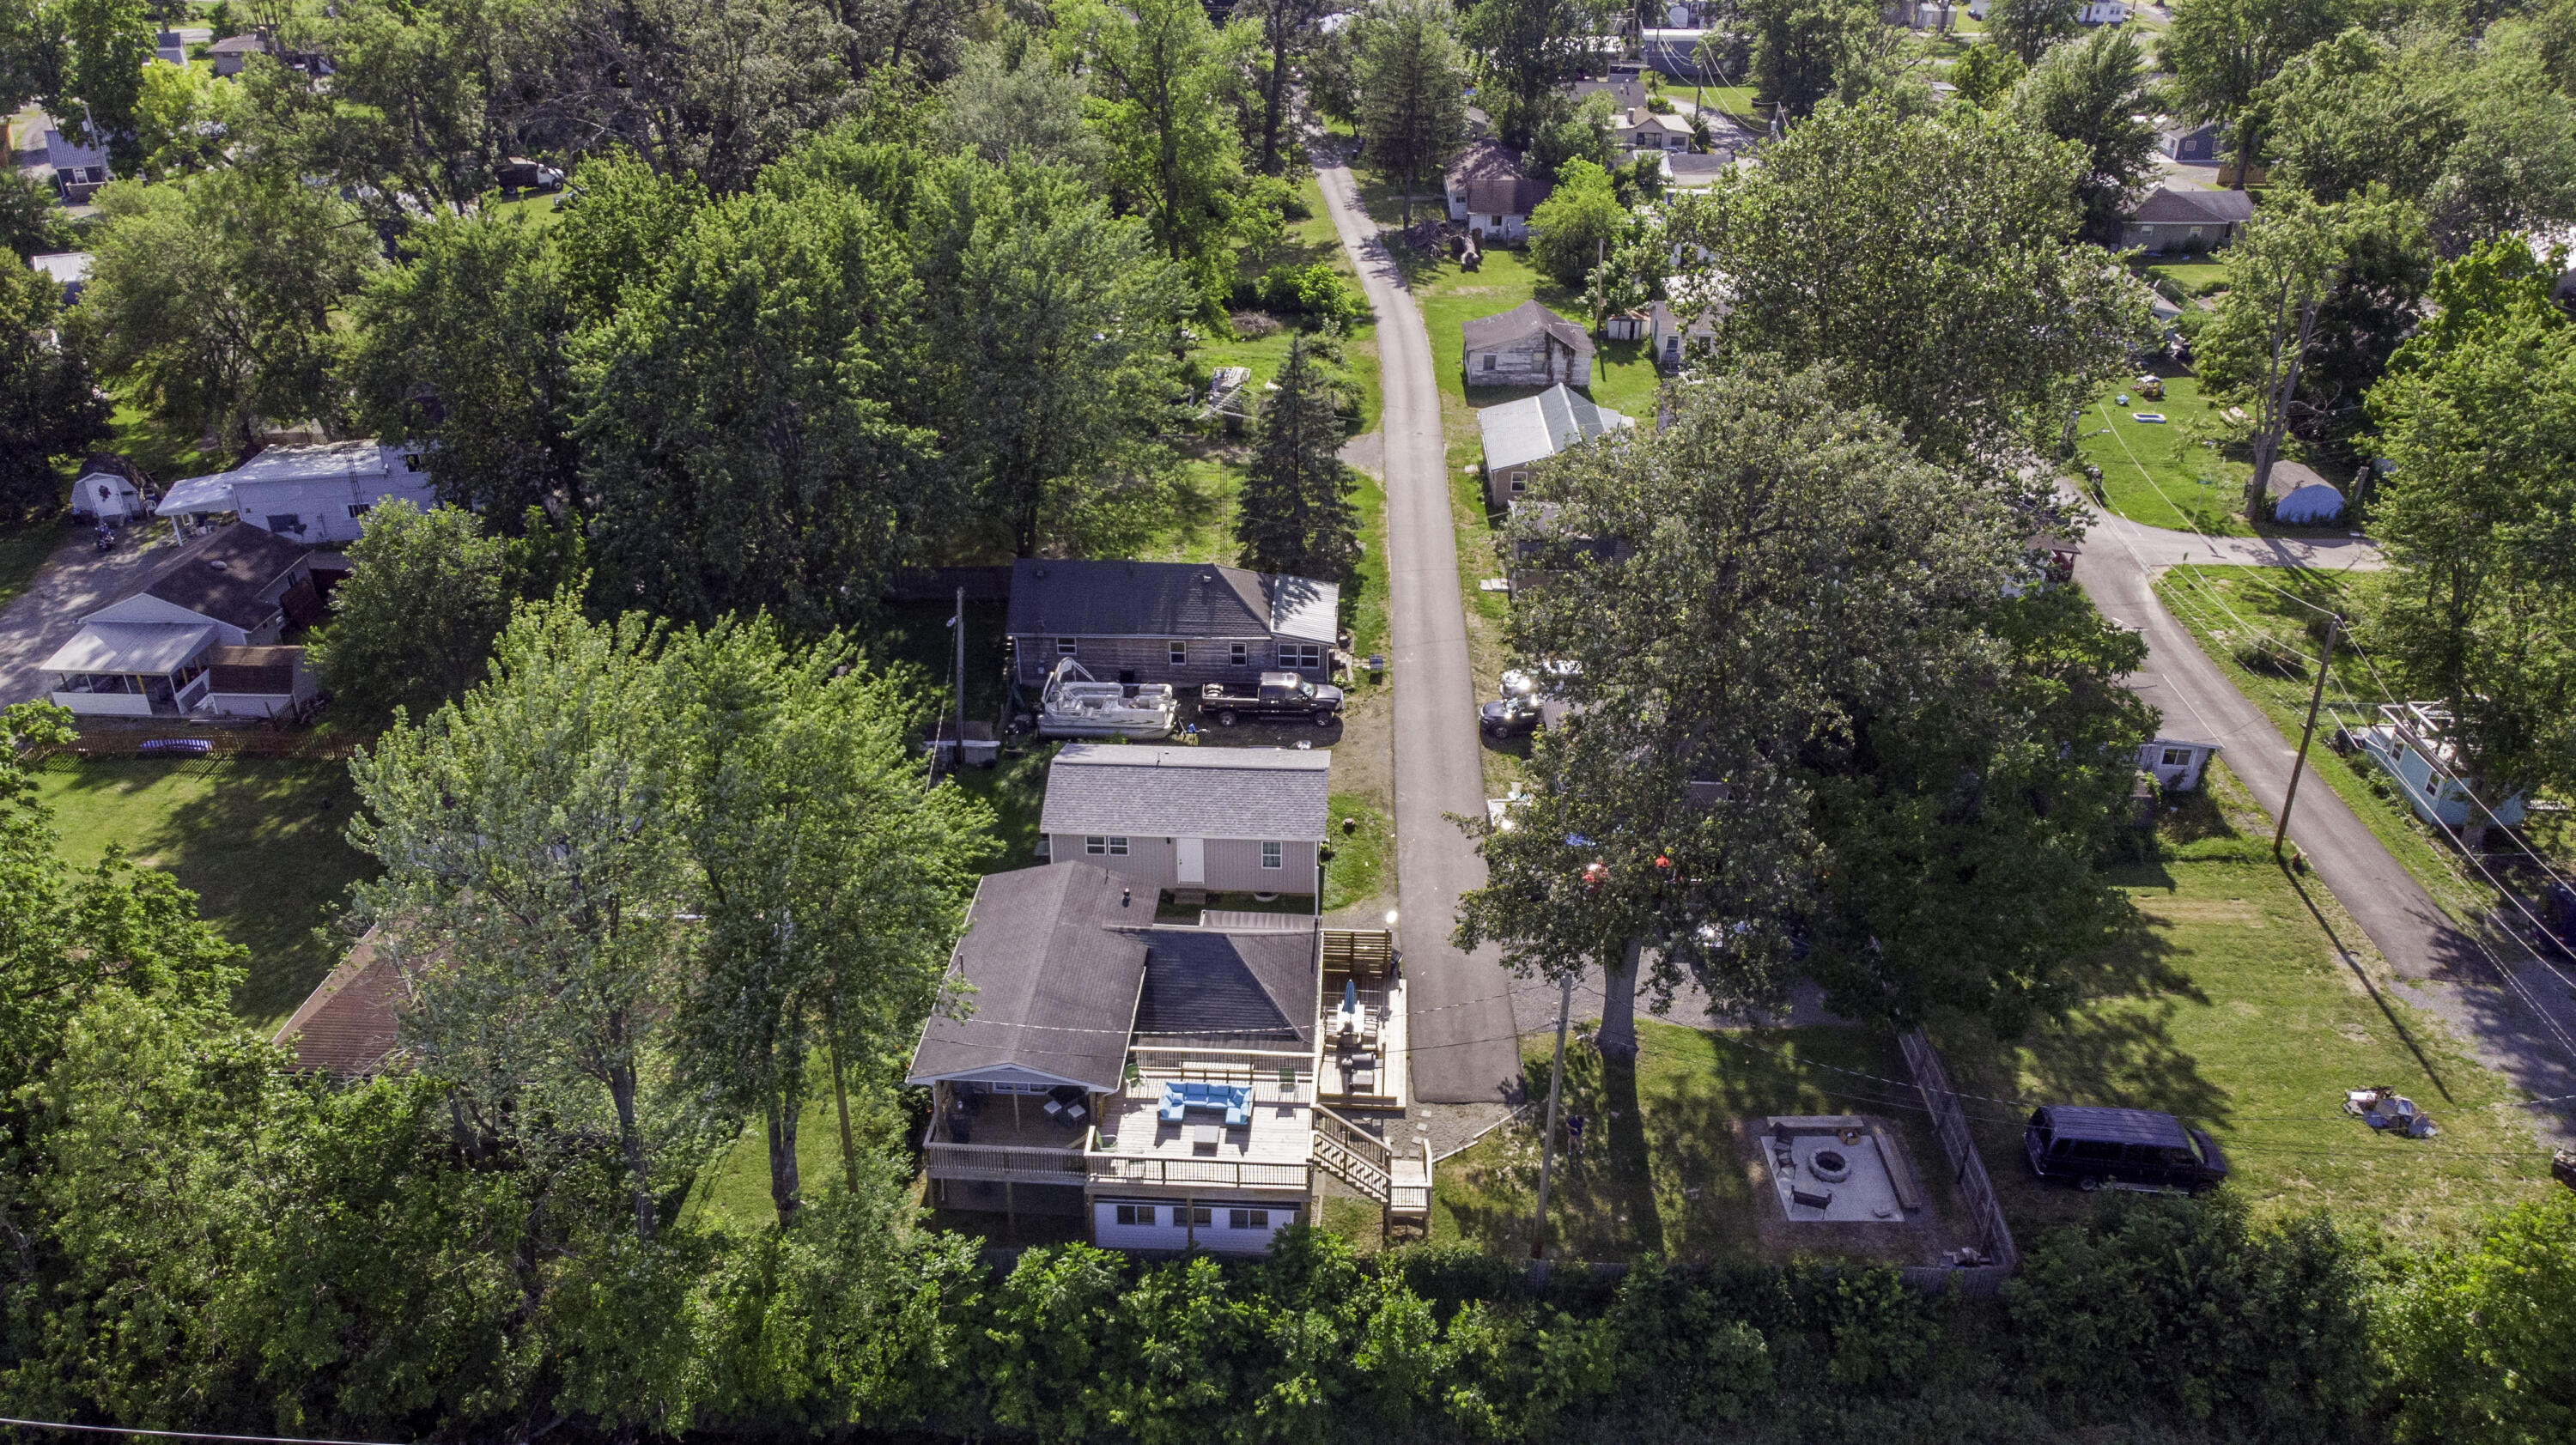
[286, 522]
[1180, 654]
[411, 461]
[1489, 361]
[1520, 482]
[1301, 654]
[1239, 653]
[1201, 1215]
[360, 509]
[1105, 847]
[1270, 855]
[1067, 647]
[1247, 1219]
[2177, 757]
[1137, 1215]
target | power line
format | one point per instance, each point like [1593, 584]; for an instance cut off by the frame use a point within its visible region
[181, 1434]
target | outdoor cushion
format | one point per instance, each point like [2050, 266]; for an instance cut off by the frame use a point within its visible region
[1179, 1098]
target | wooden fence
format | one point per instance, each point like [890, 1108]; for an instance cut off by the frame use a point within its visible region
[1967, 1174]
[93, 740]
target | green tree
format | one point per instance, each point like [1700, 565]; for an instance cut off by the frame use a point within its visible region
[48, 408]
[2482, 1331]
[1174, 156]
[1574, 229]
[31, 224]
[1930, 261]
[2222, 52]
[212, 302]
[1803, 50]
[1289, 28]
[185, 120]
[738, 443]
[2029, 28]
[534, 886]
[1412, 87]
[1055, 370]
[2095, 95]
[1986, 75]
[1296, 516]
[1524, 50]
[417, 108]
[834, 881]
[105, 47]
[2283, 265]
[1010, 99]
[413, 625]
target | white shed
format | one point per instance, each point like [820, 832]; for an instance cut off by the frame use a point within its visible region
[2176, 762]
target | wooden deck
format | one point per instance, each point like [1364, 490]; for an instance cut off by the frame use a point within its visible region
[1271, 1150]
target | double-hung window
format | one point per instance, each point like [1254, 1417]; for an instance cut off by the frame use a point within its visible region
[1239, 654]
[1134, 1215]
[1270, 852]
[1100, 847]
[2177, 757]
[1180, 654]
[1301, 654]
[1067, 647]
[1247, 1219]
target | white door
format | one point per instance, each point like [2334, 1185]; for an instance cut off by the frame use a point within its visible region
[1193, 859]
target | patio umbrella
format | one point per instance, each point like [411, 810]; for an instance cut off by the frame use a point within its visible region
[1350, 993]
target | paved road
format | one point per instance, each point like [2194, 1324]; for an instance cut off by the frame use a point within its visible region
[2515, 1014]
[1458, 1006]
[77, 580]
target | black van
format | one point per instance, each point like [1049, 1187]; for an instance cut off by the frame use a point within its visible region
[2095, 1147]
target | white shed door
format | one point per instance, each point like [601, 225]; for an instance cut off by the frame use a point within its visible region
[1193, 859]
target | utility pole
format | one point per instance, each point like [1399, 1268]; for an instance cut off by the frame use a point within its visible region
[1547, 1143]
[958, 763]
[2316, 700]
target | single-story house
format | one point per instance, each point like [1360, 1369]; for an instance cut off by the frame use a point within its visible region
[1640, 129]
[75, 171]
[151, 652]
[1626, 92]
[66, 269]
[2171, 218]
[2103, 12]
[1224, 820]
[109, 489]
[2300, 497]
[1673, 52]
[1520, 434]
[1184, 623]
[2189, 142]
[1158, 1082]
[1673, 339]
[2411, 742]
[1492, 192]
[317, 495]
[231, 55]
[1528, 345]
[2176, 762]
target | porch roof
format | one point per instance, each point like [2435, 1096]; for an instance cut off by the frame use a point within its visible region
[141, 648]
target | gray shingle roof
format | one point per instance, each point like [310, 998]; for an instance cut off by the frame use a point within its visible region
[1053, 597]
[1505, 327]
[1203, 984]
[2168, 206]
[1149, 792]
[1055, 979]
[1504, 195]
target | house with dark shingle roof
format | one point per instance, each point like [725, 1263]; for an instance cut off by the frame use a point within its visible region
[150, 652]
[1227, 820]
[1184, 623]
[2171, 218]
[1157, 1081]
[1528, 345]
[1492, 192]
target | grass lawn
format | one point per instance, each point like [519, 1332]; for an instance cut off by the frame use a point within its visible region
[156, 450]
[1735, 100]
[2191, 278]
[2228, 608]
[257, 840]
[2152, 471]
[1659, 1169]
[2231, 1007]
[23, 551]
[1358, 865]
[538, 208]
[734, 1182]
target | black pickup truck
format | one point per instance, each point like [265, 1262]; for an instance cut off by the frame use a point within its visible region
[1280, 695]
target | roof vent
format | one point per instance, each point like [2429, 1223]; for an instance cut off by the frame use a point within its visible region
[1207, 576]
[216, 562]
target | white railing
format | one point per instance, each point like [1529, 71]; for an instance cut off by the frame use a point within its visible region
[1004, 1163]
[1146, 1170]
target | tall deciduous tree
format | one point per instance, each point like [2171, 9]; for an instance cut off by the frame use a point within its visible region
[1805, 50]
[1175, 159]
[2280, 270]
[2029, 28]
[48, 408]
[1575, 228]
[2095, 95]
[1296, 515]
[1055, 366]
[1524, 50]
[105, 45]
[1288, 29]
[739, 442]
[1412, 87]
[1986, 75]
[1930, 261]
[834, 880]
[1009, 98]
[534, 891]
[212, 301]
[2221, 52]
[413, 625]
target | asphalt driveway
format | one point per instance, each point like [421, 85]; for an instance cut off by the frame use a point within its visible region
[76, 581]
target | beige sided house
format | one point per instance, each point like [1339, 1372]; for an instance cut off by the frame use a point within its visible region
[1226, 820]
[1167, 1084]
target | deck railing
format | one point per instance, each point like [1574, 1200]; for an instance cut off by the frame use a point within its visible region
[1148, 1170]
[1004, 1163]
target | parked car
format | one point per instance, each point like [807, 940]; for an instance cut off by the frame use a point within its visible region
[1511, 716]
[1280, 695]
[518, 173]
[2138, 1148]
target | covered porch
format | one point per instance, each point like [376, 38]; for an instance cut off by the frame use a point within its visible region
[131, 669]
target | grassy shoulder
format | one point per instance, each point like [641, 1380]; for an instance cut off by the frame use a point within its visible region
[2229, 609]
[2229, 1005]
[1362, 839]
[258, 840]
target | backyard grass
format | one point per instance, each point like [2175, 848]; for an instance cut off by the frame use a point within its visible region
[164, 455]
[2191, 278]
[538, 208]
[1357, 869]
[257, 840]
[2229, 608]
[1658, 1170]
[2153, 472]
[2230, 1006]
[734, 1181]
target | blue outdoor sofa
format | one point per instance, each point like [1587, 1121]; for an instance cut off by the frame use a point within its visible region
[1179, 1099]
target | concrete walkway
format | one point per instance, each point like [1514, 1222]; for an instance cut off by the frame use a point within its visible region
[76, 581]
[2517, 1017]
[1458, 1005]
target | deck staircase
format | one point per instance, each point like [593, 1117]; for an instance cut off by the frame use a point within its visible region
[1399, 1182]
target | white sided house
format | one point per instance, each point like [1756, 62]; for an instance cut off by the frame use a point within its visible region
[1492, 192]
[197, 637]
[1523, 433]
[1221, 820]
[318, 495]
[2176, 763]
[1168, 1085]
[1528, 345]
